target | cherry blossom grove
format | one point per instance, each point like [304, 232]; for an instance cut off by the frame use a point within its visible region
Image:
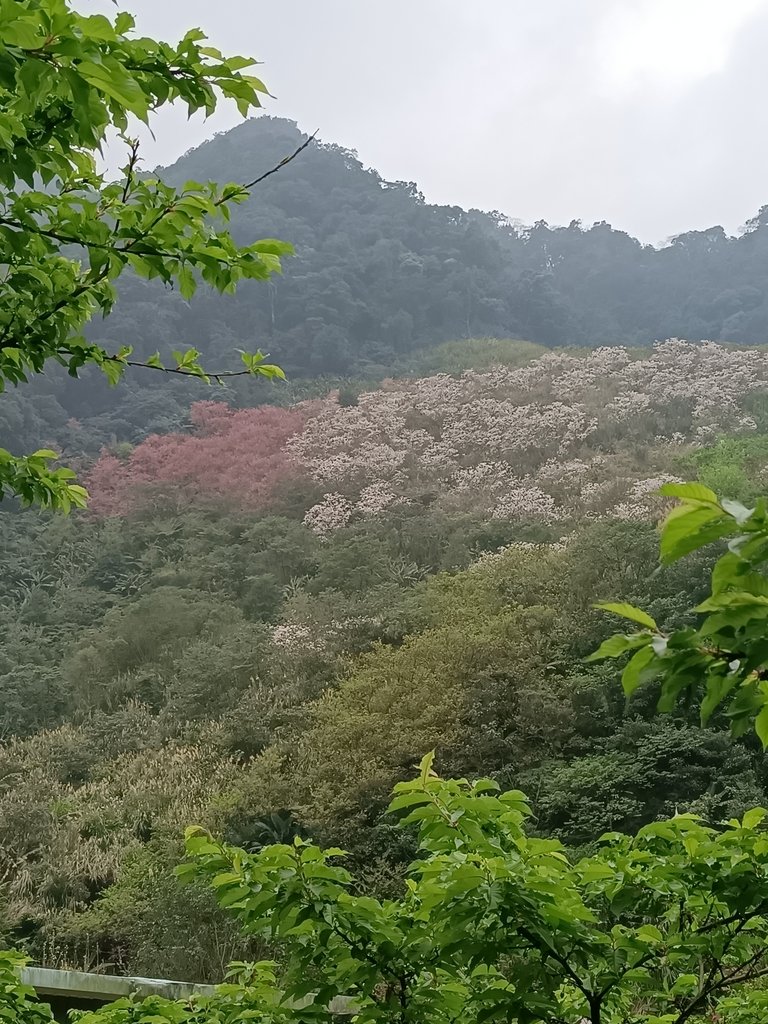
[234, 455]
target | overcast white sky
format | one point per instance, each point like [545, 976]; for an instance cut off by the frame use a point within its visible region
[647, 113]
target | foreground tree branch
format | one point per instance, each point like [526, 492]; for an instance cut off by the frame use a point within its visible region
[67, 234]
[725, 659]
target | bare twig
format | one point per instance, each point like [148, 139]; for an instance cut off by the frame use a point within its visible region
[131, 246]
[283, 162]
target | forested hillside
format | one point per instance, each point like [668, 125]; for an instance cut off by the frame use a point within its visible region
[268, 615]
[379, 276]
[281, 595]
[234, 620]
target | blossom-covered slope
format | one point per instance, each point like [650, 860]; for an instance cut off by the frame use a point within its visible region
[266, 617]
[567, 435]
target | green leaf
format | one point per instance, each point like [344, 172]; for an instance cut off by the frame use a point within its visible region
[116, 83]
[619, 644]
[726, 572]
[404, 800]
[594, 871]
[270, 371]
[425, 767]
[692, 491]
[718, 688]
[628, 611]
[234, 896]
[225, 878]
[187, 282]
[271, 246]
[754, 817]
[22, 32]
[688, 528]
[96, 26]
[684, 984]
[124, 22]
[761, 726]
[636, 670]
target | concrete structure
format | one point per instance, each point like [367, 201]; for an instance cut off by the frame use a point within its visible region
[70, 990]
[76, 990]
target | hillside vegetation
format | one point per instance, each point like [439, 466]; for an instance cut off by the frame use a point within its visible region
[282, 602]
[265, 618]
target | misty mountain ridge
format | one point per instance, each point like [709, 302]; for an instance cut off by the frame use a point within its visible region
[379, 272]
[380, 277]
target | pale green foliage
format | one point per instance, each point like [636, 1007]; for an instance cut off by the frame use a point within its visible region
[66, 234]
[723, 662]
[748, 1006]
[474, 354]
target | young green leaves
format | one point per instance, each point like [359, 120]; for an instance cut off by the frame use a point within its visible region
[34, 482]
[724, 662]
[496, 925]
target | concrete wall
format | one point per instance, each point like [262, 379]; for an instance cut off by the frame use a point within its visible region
[70, 990]
[76, 990]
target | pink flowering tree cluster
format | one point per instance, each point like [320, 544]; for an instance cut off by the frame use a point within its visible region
[235, 455]
[552, 440]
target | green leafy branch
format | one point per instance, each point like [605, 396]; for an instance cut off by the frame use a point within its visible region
[67, 234]
[724, 661]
